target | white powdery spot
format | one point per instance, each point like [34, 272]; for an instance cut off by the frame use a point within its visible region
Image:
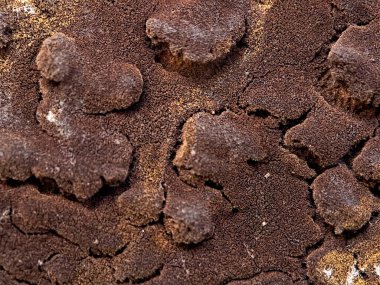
[377, 269]
[51, 117]
[328, 272]
[250, 252]
[264, 224]
[184, 266]
[267, 175]
[5, 107]
[5, 215]
[24, 6]
[352, 276]
[55, 117]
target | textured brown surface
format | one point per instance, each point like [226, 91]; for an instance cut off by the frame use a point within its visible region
[5, 31]
[341, 133]
[196, 32]
[367, 163]
[286, 87]
[271, 278]
[354, 62]
[341, 200]
[189, 142]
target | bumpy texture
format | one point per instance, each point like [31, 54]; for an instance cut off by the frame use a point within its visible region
[355, 65]
[276, 90]
[367, 163]
[188, 215]
[341, 200]
[189, 142]
[341, 133]
[196, 32]
[56, 57]
[271, 278]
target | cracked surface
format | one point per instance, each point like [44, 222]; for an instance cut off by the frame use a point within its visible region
[286, 94]
[354, 262]
[189, 142]
[270, 278]
[355, 64]
[367, 163]
[341, 132]
[188, 215]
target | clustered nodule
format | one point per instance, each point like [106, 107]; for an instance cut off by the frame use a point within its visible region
[354, 67]
[238, 182]
[354, 64]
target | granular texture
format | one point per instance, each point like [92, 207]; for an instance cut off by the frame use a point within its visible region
[189, 142]
[341, 200]
[354, 62]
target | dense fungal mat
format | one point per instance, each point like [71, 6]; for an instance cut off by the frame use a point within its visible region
[189, 142]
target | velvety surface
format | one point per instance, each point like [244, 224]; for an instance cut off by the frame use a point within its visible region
[189, 142]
